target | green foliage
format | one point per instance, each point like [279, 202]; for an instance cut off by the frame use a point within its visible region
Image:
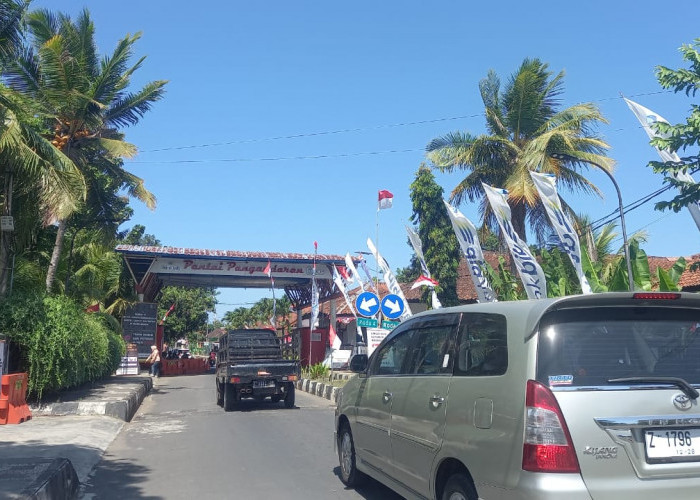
[505, 285]
[668, 280]
[559, 272]
[190, 315]
[260, 314]
[317, 371]
[439, 242]
[682, 136]
[61, 346]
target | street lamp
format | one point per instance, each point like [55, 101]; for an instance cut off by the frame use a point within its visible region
[560, 156]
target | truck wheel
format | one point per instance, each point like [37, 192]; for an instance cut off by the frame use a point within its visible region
[276, 398]
[219, 394]
[289, 397]
[230, 397]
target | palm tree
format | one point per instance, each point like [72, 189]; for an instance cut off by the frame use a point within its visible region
[85, 100]
[31, 168]
[524, 129]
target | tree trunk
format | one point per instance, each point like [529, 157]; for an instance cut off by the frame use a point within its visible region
[6, 241]
[55, 257]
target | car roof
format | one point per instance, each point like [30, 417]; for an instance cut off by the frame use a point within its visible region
[530, 312]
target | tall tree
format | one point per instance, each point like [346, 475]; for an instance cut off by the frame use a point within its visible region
[682, 136]
[86, 101]
[31, 168]
[190, 314]
[436, 234]
[525, 128]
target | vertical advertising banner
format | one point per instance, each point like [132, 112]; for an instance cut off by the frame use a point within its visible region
[530, 272]
[471, 248]
[546, 185]
[418, 248]
[391, 281]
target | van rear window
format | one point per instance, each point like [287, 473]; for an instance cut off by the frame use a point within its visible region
[588, 347]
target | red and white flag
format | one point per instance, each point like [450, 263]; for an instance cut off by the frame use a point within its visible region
[333, 337]
[167, 313]
[268, 269]
[385, 199]
[424, 281]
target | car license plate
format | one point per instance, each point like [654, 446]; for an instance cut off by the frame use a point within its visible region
[679, 444]
[261, 384]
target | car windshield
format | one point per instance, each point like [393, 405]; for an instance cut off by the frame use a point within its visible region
[589, 348]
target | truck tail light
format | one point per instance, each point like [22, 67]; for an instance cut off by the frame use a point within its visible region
[235, 380]
[292, 378]
[547, 446]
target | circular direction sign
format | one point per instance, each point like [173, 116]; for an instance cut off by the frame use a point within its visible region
[392, 306]
[367, 304]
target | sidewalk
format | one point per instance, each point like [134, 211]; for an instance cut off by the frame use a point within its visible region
[48, 456]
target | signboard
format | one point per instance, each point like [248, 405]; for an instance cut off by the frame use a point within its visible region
[129, 364]
[139, 325]
[392, 306]
[375, 337]
[367, 322]
[367, 304]
[390, 325]
[7, 223]
[168, 265]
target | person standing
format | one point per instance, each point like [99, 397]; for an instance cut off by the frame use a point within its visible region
[154, 359]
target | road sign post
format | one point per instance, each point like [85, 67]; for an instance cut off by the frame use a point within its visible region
[367, 304]
[392, 306]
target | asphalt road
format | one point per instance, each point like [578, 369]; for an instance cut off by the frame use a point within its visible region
[181, 445]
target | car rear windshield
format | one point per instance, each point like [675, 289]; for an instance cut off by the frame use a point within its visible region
[588, 347]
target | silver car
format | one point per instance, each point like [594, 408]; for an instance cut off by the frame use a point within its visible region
[585, 397]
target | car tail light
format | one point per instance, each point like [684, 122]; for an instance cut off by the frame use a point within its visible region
[235, 380]
[547, 446]
[656, 296]
[291, 378]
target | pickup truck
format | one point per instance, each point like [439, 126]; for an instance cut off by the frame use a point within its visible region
[253, 364]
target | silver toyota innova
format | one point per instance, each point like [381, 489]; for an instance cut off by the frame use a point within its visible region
[585, 397]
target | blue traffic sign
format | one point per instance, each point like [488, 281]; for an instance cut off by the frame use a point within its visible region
[367, 304]
[392, 306]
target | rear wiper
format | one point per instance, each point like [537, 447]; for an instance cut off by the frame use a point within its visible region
[684, 386]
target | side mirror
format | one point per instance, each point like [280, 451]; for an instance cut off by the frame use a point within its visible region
[358, 363]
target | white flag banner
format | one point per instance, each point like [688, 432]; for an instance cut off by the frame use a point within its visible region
[418, 248]
[647, 117]
[546, 185]
[391, 282]
[529, 270]
[471, 248]
[350, 266]
[314, 304]
[338, 280]
[370, 283]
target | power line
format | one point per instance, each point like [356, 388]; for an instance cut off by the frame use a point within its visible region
[361, 129]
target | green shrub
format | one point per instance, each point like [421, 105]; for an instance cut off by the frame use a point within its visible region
[317, 371]
[60, 345]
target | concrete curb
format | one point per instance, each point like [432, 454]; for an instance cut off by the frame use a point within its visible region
[326, 391]
[123, 404]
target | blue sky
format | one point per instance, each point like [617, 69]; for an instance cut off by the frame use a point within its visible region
[364, 86]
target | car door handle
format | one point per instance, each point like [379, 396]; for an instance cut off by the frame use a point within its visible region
[436, 401]
[386, 397]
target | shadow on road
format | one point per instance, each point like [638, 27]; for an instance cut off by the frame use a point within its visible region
[118, 479]
[371, 489]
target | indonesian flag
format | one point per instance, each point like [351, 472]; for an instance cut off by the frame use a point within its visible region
[333, 337]
[424, 281]
[268, 270]
[385, 199]
[167, 313]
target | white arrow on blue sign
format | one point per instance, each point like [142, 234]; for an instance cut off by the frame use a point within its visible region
[367, 304]
[392, 306]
